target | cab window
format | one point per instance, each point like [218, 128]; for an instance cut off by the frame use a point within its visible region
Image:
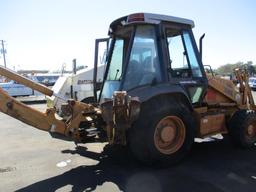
[183, 62]
[178, 64]
[143, 66]
[196, 71]
[116, 64]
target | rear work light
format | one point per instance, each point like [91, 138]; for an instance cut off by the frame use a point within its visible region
[137, 17]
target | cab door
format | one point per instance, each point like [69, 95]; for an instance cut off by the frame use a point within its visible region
[100, 56]
[184, 66]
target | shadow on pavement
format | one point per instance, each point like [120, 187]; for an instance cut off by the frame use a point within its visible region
[212, 167]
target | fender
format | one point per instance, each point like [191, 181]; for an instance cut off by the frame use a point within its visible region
[148, 92]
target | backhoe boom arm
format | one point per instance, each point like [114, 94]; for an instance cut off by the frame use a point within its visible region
[77, 112]
[25, 81]
[44, 121]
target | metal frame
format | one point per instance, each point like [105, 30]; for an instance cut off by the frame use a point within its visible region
[95, 71]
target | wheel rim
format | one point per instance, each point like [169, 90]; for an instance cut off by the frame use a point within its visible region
[169, 134]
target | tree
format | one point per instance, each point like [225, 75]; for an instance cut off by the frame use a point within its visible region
[250, 68]
[229, 68]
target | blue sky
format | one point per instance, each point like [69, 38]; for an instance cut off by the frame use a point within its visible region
[44, 34]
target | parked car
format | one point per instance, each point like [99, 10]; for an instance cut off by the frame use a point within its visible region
[15, 89]
[252, 83]
[47, 79]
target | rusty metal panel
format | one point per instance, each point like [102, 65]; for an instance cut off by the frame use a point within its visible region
[214, 96]
[210, 124]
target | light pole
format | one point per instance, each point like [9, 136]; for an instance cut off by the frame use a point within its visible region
[3, 52]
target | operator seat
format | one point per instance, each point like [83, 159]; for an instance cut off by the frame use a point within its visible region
[148, 74]
[133, 75]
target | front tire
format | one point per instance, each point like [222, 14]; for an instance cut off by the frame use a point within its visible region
[164, 132]
[242, 128]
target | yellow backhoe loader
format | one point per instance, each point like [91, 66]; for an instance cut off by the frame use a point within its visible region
[156, 96]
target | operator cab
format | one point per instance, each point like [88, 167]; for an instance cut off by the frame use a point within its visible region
[153, 54]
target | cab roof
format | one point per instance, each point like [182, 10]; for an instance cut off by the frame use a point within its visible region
[151, 19]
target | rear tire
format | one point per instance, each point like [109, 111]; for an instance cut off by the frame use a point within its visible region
[163, 134]
[242, 128]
